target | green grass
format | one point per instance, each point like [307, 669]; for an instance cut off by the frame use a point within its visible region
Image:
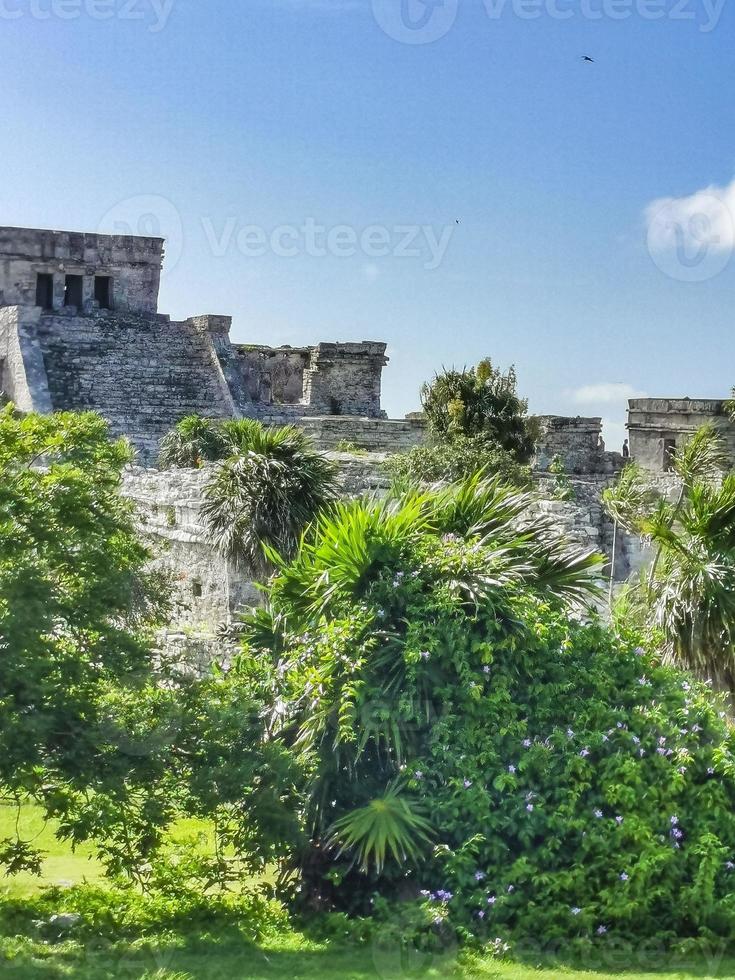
[183, 953]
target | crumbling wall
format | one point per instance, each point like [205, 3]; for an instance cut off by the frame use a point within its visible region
[345, 379]
[576, 441]
[132, 262]
[273, 375]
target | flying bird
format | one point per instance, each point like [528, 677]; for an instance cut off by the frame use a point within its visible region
[586, 57]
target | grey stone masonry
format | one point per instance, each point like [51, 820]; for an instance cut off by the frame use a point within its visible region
[79, 330]
[77, 263]
[576, 442]
[657, 427]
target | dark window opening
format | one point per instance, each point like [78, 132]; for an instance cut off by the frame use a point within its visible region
[45, 290]
[335, 406]
[669, 453]
[74, 291]
[103, 292]
[196, 589]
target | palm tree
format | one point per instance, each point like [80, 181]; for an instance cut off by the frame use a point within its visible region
[262, 498]
[477, 546]
[193, 442]
[688, 594]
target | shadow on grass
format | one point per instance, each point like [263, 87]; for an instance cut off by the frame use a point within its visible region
[231, 957]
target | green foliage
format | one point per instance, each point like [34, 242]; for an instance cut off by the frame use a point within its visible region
[563, 489]
[263, 497]
[480, 401]
[77, 613]
[193, 442]
[389, 826]
[379, 592]
[687, 596]
[576, 787]
[454, 459]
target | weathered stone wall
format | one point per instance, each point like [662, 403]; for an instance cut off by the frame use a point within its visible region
[207, 589]
[345, 379]
[273, 375]
[658, 426]
[576, 441]
[133, 264]
[23, 377]
[373, 435]
[141, 373]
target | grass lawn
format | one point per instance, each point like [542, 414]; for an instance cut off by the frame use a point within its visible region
[189, 955]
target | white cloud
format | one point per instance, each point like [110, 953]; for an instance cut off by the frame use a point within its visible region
[703, 220]
[606, 392]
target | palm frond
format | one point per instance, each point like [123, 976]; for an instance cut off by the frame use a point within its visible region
[390, 826]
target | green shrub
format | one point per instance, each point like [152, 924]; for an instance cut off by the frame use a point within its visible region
[454, 459]
[575, 788]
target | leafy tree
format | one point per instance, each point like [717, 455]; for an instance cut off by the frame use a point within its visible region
[474, 749]
[266, 493]
[481, 401]
[77, 613]
[688, 594]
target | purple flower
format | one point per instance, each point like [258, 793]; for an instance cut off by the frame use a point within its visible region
[682, 770]
[601, 930]
[624, 876]
[661, 751]
[710, 771]
[643, 681]
[425, 893]
[639, 652]
[467, 783]
[641, 752]
[529, 807]
[511, 889]
[570, 733]
[443, 895]
[481, 914]
[729, 865]
[636, 740]
[425, 655]
[686, 687]
[674, 820]
[479, 875]
[492, 899]
[486, 670]
[526, 743]
[575, 910]
[584, 753]
[618, 820]
[677, 834]
[418, 774]
[511, 769]
[598, 814]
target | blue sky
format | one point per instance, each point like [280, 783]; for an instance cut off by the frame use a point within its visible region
[526, 185]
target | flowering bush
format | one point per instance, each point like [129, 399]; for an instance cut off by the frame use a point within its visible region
[573, 786]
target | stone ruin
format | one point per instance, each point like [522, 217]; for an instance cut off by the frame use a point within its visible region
[80, 330]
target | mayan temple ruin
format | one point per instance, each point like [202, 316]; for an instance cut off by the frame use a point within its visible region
[80, 330]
